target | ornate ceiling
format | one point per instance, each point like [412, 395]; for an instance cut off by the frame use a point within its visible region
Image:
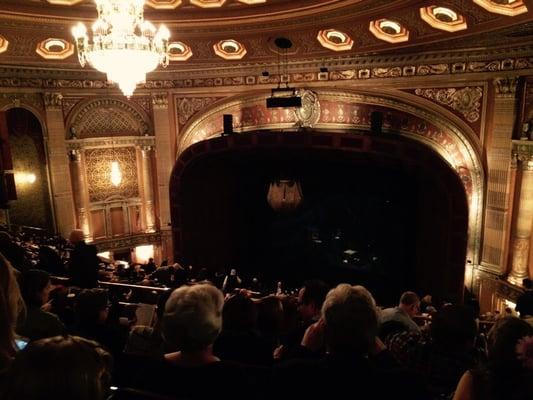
[254, 24]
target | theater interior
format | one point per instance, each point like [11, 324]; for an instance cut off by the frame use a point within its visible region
[383, 143]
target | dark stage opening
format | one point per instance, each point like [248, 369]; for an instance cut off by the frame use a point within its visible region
[365, 219]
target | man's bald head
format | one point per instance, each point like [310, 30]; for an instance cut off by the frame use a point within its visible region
[76, 236]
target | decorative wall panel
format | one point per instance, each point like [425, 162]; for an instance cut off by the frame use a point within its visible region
[98, 162]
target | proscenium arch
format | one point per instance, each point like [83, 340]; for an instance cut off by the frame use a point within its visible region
[342, 112]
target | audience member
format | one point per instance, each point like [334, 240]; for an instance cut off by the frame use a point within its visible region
[148, 340]
[39, 322]
[231, 281]
[84, 263]
[150, 266]
[192, 323]
[11, 308]
[348, 327]
[239, 339]
[524, 304]
[508, 374]
[14, 253]
[92, 311]
[443, 355]
[405, 311]
[59, 368]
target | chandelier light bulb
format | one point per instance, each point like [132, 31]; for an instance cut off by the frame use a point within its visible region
[123, 45]
[116, 174]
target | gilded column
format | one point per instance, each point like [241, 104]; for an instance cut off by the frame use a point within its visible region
[148, 184]
[80, 192]
[164, 163]
[58, 158]
[524, 222]
[498, 212]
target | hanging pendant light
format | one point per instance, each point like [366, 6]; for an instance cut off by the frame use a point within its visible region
[284, 195]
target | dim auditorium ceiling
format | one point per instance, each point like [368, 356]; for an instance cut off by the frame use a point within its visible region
[213, 36]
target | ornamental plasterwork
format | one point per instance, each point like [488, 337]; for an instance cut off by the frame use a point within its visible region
[188, 106]
[160, 100]
[466, 101]
[108, 117]
[128, 242]
[119, 141]
[309, 113]
[34, 100]
[355, 74]
[53, 100]
[98, 169]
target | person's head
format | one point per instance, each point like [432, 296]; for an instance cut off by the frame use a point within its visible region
[270, 316]
[193, 317]
[59, 368]
[239, 314]
[76, 236]
[454, 328]
[410, 303]
[502, 344]
[528, 284]
[233, 272]
[150, 260]
[351, 319]
[36, 287]
[310, 299]
[92, 306]
[11, 306]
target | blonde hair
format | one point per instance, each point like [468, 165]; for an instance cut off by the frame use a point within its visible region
[11, 307]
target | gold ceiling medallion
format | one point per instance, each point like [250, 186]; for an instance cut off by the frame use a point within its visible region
[389, 31]
[443, 18]
[335, 40]
[179, 51]
[229, 49]
[308, 114]
[55, 49]
[64, 2]
[4, 43]
[504, 7]
[163, 4]
[208, 3]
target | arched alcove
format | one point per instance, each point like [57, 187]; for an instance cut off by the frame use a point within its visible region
[26, 139]
[392, 194]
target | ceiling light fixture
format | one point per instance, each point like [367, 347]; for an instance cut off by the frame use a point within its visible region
[124, 45]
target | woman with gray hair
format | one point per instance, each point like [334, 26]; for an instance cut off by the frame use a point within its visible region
[355, 360]
[192, 322]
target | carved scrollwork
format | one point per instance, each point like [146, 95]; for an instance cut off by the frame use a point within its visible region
[98, 163]
[106, 117]
[53, 100]
[160, 100]
[309, 113]
[506, 87]
[188, 106]
[466, 101]
[17, 99]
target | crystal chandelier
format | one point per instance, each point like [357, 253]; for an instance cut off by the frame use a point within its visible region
[124, 45]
